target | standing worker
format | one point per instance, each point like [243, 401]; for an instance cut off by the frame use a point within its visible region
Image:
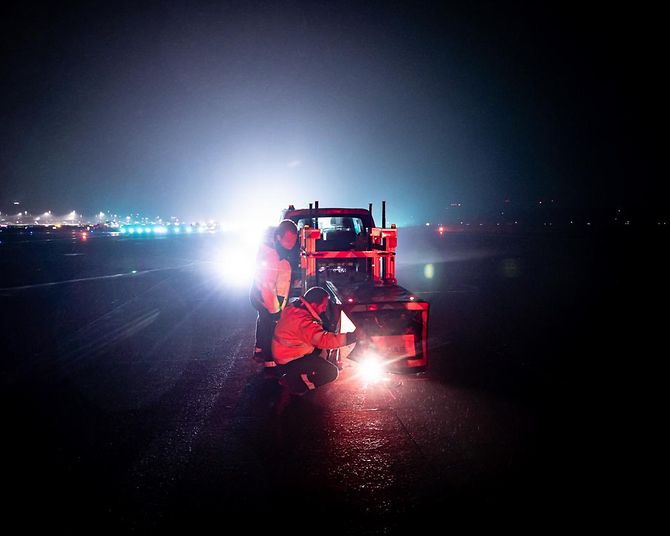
[298, 340]
[271, 286]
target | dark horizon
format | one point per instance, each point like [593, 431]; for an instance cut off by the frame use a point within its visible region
[207, 111]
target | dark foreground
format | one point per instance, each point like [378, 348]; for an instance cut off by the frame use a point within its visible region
[129, 402]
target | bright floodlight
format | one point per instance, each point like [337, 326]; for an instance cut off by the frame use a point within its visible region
[371, 368]
[236, 264]
[236, 272]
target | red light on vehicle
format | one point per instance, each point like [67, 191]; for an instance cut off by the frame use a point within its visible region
[350, 300]
[372, 307]
[412, 298]
[84, 236]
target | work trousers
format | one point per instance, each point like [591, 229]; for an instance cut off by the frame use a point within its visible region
[265, 328]
[307, 373]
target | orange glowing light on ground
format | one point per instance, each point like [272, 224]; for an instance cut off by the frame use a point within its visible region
[371, 369]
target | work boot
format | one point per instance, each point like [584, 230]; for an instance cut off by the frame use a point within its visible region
[284, 382]
[269, 370]
[258, 356]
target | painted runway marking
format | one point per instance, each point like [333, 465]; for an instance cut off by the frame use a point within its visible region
[94, 278]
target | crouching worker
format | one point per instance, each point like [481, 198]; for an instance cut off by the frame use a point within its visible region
[298, 340]
[271, 286]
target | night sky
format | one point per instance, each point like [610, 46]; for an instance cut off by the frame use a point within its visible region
[174, 109]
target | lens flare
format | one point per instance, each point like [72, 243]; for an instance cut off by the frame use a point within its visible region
[235, 260]
[371, 368]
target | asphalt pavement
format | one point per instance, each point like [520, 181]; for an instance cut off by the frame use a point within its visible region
[130, 403]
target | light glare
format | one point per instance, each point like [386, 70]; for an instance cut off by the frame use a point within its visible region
[371, 369]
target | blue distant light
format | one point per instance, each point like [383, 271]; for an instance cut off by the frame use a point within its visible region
[122, 230]
[139, 230]
[131, 230]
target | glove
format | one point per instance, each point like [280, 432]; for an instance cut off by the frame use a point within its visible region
[275, 316]
[353, 337]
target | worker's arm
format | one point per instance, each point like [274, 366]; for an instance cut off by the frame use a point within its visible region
[283, 285]
[314, 334]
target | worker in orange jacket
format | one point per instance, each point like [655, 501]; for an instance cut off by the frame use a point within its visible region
[298, 340]
[272, 283]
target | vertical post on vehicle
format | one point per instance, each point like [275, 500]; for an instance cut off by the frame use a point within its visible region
[391, 243]
[308, 238]
[367, 230]
[383, 267]
[316, 216]
[376, 268]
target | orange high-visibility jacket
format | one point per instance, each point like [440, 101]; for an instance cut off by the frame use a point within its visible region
[298, 333]
[272, 278]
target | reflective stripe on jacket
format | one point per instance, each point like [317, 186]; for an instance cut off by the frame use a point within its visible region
[298, 333]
